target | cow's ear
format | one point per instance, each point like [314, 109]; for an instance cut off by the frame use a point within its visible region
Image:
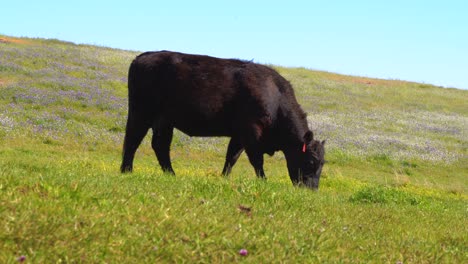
[323, 142]
[308, 136]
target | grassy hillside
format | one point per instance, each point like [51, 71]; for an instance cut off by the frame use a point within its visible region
[395, 188]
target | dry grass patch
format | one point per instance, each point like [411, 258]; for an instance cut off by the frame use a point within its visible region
[5, 81]
[8, 40]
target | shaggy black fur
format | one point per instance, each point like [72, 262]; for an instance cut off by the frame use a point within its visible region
[206, 96]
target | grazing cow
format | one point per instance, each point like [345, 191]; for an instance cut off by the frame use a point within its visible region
[205, 96]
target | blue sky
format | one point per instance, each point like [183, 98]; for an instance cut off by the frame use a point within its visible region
[423, 41]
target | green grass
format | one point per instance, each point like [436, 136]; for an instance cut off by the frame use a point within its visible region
[394, 189]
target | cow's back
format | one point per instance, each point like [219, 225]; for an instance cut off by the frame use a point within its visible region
[202, 95]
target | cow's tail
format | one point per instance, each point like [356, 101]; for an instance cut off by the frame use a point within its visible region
[137, 126]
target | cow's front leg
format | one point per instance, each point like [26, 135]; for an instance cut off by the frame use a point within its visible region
[161, 143]
[256, 159]
[234, 151]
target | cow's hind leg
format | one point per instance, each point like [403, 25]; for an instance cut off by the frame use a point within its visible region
[234, 150]
[134, 133]
[161, 143]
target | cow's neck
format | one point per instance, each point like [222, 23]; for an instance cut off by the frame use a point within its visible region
[290, 129]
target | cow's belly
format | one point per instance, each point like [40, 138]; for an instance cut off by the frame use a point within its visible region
[203, 125]
[204, 129]
[201, 117]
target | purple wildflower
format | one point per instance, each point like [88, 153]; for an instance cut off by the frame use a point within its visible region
[21, 259]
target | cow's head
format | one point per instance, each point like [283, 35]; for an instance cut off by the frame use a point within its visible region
[305, 162]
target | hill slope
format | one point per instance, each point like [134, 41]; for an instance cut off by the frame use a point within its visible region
[397, 155]
[75, 94]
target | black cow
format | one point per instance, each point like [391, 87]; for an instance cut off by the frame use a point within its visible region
[206, 96]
